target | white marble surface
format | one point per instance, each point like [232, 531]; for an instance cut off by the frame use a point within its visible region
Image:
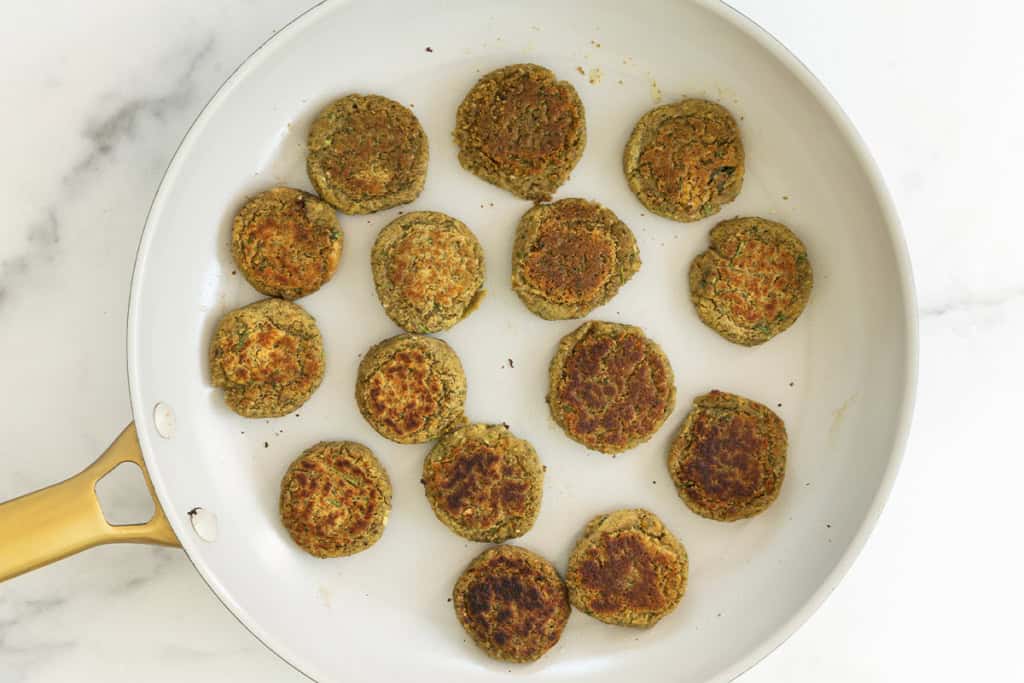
[95, 99]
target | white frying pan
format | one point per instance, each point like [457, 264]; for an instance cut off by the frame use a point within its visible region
[842, 377]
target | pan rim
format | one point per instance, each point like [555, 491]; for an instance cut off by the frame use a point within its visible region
[897, 244]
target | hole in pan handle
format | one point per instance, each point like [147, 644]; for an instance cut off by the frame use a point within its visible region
[60, 520]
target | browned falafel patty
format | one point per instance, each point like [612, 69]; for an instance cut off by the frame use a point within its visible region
[571, 257]
[335, 499]
[268, 357]
[484, 483]
[522, 130]
[627, 569]
[754, 281]
[684, 160]
[429, 271]
[367, 153]
[512, 603]
[611, 387]
[286, 242]
[411, 388]
[729, 458]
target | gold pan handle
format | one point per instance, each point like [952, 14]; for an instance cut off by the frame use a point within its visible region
[60, 520]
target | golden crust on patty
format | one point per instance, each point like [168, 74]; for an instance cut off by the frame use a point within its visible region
[627, 569]
[611, 387]
[286, 242]
[754, 281]
[367, 153]
[411, 388]
[268, 357]
[571, 257]
[521, 129]
[335, 499]
[512, 603]
[729, 459]
[429, 271]
[684, 160]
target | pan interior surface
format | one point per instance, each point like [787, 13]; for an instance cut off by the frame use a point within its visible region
[841, 377]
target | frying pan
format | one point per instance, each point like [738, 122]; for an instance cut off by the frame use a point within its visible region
[842, 377]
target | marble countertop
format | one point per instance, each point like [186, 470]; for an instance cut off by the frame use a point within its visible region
[96, 97]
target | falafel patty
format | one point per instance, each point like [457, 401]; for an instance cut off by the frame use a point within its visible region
[684, 160]
[627, 569]
[411, 388]
[367, 153]
[512, 603]
[729, 459]
[521, 129]
[611, 387]
[429, 271]
[286, 242]
[484, 483]
[571, 257]
[268, 357]
[335, 499]
[754, 281]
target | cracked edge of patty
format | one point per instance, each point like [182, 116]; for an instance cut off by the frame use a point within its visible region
[773, 232]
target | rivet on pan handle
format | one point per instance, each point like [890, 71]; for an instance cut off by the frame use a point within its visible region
[60, 520]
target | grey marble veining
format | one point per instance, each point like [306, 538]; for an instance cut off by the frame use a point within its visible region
[113, 127]
[121, 123]
[990, 299]
[65, 263]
